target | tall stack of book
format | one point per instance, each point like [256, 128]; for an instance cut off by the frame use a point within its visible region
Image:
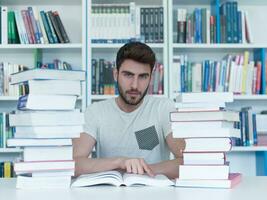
[44, 124]
[208, 131]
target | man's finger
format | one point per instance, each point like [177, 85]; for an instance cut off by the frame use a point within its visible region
[147, 169]
[140, 168]
[135, 167]
[128, 168]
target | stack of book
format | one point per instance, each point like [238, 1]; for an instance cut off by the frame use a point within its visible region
[207, 130]
[44, 124]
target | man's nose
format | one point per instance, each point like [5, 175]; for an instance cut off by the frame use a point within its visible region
[134, 83]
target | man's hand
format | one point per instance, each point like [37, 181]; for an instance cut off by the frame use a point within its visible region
[136, 166]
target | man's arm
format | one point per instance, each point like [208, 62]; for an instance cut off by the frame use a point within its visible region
[170, 168]
[82, 148]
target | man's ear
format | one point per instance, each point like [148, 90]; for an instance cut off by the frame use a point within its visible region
[115, 74]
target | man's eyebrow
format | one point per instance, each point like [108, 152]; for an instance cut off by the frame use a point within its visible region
[131, 73]
[144, 74]
[127, 72]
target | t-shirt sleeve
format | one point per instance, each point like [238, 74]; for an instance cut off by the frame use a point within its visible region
[166, 107]
[91, 122]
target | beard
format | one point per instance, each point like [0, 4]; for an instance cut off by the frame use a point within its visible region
[131, 100]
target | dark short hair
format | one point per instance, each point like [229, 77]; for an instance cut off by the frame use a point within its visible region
[136, 51]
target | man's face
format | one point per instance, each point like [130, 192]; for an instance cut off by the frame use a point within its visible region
[133, 81]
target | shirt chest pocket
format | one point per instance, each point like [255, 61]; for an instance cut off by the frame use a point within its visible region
[147, 138]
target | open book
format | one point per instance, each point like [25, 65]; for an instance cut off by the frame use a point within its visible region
[117, 179]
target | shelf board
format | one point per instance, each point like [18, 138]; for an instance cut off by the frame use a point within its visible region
[249, 148]
[10, 150]
[250, 97]
[218, 46]
[117, 46]
[42, 46]
[8, 98]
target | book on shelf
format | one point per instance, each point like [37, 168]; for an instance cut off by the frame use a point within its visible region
[261, 123]
[6, 69]
[129, 22]
[4, 25]
[232, 181]
[6, 169]
[234, 74]
[47, 102]
[47, 74]
[30, 26]
[45, 153]
[202, 171]
[46, 118]
[223, 22]
[44, 182]
[118, 179]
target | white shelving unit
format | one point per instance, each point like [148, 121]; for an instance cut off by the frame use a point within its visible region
[80, 51]
[74, 18]
[249, 149]
[242, 159]
[108, 51]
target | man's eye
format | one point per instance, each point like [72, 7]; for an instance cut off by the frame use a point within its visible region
[128, 75]
[143, 76]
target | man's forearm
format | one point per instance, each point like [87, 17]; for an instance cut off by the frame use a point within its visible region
[85, 165]
[169, 168]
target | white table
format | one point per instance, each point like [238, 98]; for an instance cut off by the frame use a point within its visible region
[251, 188]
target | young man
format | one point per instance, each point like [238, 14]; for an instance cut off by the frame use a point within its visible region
[131, 132]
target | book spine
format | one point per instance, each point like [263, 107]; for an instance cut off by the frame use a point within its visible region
[55, 26]
[22, 102]
[215, 11]
[34, 26]
[4, 25]
[47, 27]
[61, 27]
[54, 36]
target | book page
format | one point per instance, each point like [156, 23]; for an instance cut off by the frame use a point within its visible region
[108, 177]
[137, 179]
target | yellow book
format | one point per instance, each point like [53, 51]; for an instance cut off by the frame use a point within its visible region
[245, 72]
[7, 169]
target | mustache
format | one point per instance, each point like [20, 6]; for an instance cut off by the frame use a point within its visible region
[134, 91]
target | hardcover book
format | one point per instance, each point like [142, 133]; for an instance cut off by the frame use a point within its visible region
[117, 179]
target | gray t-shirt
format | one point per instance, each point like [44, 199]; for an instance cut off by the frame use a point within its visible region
[138, 134]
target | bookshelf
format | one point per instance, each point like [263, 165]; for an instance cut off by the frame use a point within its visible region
[80, 51]
[73, 16]
[249, 160]
[244, 159]
[108, 50]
